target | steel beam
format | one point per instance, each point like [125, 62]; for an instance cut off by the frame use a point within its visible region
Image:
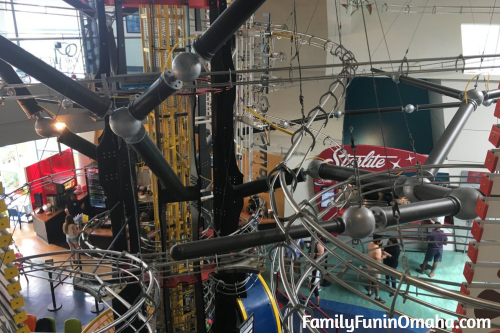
[51, 77]
[225, 26]
[443, 147]
[226, 244]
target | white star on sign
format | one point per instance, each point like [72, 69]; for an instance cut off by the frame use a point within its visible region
[410, 158]
[395, 164]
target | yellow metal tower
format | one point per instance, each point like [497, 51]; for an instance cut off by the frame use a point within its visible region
[163, 35]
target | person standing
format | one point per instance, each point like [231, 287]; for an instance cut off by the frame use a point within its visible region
[436, 240]
[289, 256]
[375, 252]
[73, 207]
[392, 261]
[314, 286]
[72, 232]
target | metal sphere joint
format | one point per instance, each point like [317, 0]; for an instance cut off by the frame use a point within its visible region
[409, 108]
[66, 103]
[359, 222]
[338, 114]
[123, 124]
[187, 67]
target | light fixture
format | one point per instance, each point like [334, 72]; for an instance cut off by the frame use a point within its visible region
[47, 127]
[60, 126]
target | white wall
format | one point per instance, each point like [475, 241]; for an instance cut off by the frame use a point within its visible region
[437, 35]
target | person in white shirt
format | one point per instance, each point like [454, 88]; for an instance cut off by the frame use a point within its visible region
[314, 280]
[72, 232]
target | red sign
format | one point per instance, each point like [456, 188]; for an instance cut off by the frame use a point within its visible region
[371, 158]
[50, 189]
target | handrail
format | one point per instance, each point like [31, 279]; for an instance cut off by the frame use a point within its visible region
[96, 320]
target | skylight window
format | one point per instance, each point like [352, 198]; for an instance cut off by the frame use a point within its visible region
[479, 39]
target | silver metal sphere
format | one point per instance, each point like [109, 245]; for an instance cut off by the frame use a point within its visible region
[123, 124]
[45, 127]
[187, 67]
[409, 108]
[468, 197]
[313, 168]
[338, 114]
[475, 96]
[359, 222]
[66, 103]
[284, 124]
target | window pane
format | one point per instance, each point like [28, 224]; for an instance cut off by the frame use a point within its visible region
[479, 39]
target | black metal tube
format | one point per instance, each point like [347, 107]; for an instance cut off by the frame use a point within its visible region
[430, 191]
[154, 159]
[226, 244]
[495, 93]
[443, 147]
[260, 185]
[151, 98]
[52, 78]
[339, 173]
[225, 26]
[430, 86]
[78, 143]
[83, 7]
[9, 76]
[418, 211]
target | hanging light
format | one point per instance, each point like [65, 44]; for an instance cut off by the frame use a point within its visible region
[47, 127]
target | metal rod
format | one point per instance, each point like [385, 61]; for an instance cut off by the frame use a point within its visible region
[443, 147]
[9, 75]
[454, 93]
[275, 69]
[225, 26]
[154, 159]
[51, 77]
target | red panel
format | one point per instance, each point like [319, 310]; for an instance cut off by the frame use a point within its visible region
[481, 209]
[135, 3]
[491, 161]
[497, 109]
[495, 136]
[461, 310]
[468, 272]
[63, 162]
[486, 185]
[463, 289]
[472, 252]
[477, 231]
